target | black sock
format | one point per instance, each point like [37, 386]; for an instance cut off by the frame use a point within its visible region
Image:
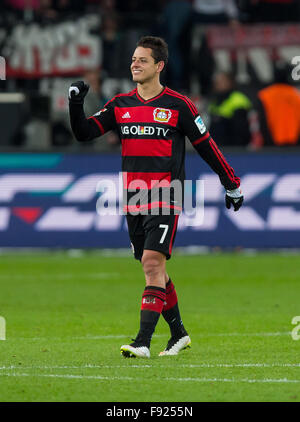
[152, 304]
[173, 318]
[171, 312]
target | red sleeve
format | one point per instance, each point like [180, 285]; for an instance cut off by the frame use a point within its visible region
[105, 118]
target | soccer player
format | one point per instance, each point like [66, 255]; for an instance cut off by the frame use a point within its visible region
[152, 121]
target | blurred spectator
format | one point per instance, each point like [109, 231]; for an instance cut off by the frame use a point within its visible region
[111, 45]
[95, 99]
[204, 66]
[176, 19]
[207, 12]
[94, 102]
[137, 13]
[216, 12]
[38, 130]
[270, 10]
[23, 4]
[279, 110]
[45, 10]
[229, 113]
[50, 9]
[22, 9]
[92, 5]
[119, 39]
[114, 41]
[58, 9]
[61, 134]
[107, 6]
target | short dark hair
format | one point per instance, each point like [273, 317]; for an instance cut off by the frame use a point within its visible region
[159, 48]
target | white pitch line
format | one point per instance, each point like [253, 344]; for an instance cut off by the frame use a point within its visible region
[110, 336]
[201, 365]
[244, 365]
[102, 337]
[284, 333]
[59, 276]
[102, 378]
[74, 367]
[98, 377]
[265, 380]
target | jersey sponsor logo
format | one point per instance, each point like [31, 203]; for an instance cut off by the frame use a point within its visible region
[144, 130]
[99, 112]
[162, 114]
[126, 116]
[200, 124]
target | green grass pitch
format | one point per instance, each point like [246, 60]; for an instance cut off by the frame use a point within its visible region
[67, 316]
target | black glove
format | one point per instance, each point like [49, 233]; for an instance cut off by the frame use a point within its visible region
[77, 92]
[234, 197]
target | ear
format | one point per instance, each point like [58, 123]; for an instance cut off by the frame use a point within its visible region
[160, 66]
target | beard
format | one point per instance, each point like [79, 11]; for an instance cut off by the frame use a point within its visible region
[143, 80]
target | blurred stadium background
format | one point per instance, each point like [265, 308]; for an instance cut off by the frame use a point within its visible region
[223, 53]
[66, 317]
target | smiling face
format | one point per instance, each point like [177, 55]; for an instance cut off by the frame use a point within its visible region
[143, 66]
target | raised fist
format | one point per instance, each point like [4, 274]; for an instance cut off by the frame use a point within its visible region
[77, 92]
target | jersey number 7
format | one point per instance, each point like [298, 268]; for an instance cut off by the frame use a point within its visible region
[166, 228]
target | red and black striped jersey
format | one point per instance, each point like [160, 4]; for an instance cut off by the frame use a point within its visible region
[152, 134]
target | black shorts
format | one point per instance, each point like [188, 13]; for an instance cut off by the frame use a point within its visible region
[154, 232]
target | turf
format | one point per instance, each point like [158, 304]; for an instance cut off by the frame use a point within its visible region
[67, 317]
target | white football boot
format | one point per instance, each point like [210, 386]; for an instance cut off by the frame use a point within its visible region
[175, 345]
[135, 351]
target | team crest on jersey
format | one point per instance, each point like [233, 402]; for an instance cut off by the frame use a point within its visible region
[99, 112]
[162, 114]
